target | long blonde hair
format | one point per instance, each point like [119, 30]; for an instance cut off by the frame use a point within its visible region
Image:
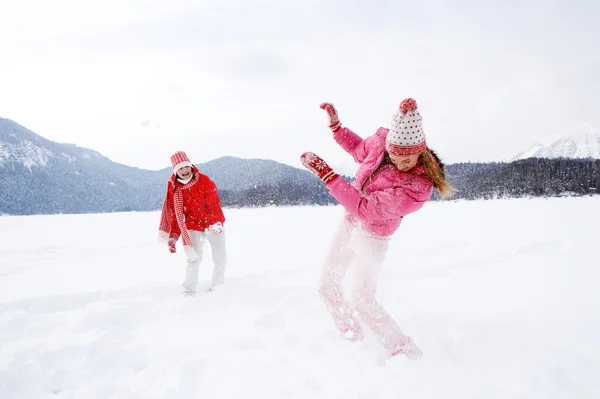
[435, 172]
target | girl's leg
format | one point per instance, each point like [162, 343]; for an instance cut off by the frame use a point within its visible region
[219, 255]
[371, 253]
[191, 271]
[330, 284]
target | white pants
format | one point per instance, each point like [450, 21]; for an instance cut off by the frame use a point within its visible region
[219, 256]
[352, 245]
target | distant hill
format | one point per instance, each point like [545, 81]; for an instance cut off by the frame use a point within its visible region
[235, 174]
[39, 176]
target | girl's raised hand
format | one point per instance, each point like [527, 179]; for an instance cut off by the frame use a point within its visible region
[334, 121]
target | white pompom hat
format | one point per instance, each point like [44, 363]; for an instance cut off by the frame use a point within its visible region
[406, 136]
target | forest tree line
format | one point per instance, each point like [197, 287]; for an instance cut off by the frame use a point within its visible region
[533, 177]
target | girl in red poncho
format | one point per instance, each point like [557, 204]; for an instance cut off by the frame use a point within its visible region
[192, 211]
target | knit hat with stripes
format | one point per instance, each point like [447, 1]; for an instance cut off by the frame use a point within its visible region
[179, 160]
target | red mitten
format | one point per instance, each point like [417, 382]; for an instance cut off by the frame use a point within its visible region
[334, 122]
[316, 165]
[172, 245]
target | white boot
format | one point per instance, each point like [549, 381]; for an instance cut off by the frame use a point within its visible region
[410, 349]
[219, 255]
[191, 279]
[217, 279]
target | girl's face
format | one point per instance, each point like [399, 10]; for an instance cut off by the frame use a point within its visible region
[404, 163]
[184, 173]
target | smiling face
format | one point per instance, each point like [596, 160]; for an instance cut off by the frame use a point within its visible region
[184, 173]
[404, 163]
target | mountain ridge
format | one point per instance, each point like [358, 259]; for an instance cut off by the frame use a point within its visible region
[581, 143]
[38, 175]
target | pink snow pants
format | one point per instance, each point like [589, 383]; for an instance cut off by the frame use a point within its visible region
[351, 245]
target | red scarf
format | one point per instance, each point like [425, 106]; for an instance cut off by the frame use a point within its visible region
[166, 214]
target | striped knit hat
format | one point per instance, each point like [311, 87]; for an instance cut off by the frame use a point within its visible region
[406, 136]
[179, 160]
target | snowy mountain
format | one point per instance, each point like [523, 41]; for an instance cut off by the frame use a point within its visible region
[584, 142]
[39, 176]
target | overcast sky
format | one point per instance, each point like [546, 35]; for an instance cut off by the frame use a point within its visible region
[137, 80]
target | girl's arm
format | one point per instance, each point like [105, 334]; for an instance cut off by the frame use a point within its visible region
[386, 204]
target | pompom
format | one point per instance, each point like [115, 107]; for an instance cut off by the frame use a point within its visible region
[408, 104]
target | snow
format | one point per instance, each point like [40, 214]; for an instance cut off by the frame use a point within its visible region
[500, 295]
[69, 158]
[26, 153]
[584, 142]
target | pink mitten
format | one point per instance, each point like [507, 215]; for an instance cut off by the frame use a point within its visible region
[316, 165]
[172, 245]
[334, 122]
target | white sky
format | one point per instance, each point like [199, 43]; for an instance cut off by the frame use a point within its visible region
[139, 79]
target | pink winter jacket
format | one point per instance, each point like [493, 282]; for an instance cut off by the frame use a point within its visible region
[380, 201]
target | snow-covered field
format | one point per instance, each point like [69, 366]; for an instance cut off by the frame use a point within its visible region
[502, 296]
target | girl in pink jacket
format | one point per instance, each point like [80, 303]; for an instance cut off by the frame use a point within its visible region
[396, 177]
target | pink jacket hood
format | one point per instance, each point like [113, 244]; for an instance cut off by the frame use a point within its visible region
[378, 200]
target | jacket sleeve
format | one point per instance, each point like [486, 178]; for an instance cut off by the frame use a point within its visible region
[213, 203]
[351, 142]
[355, 145]
[175, 231]
[391, 203]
